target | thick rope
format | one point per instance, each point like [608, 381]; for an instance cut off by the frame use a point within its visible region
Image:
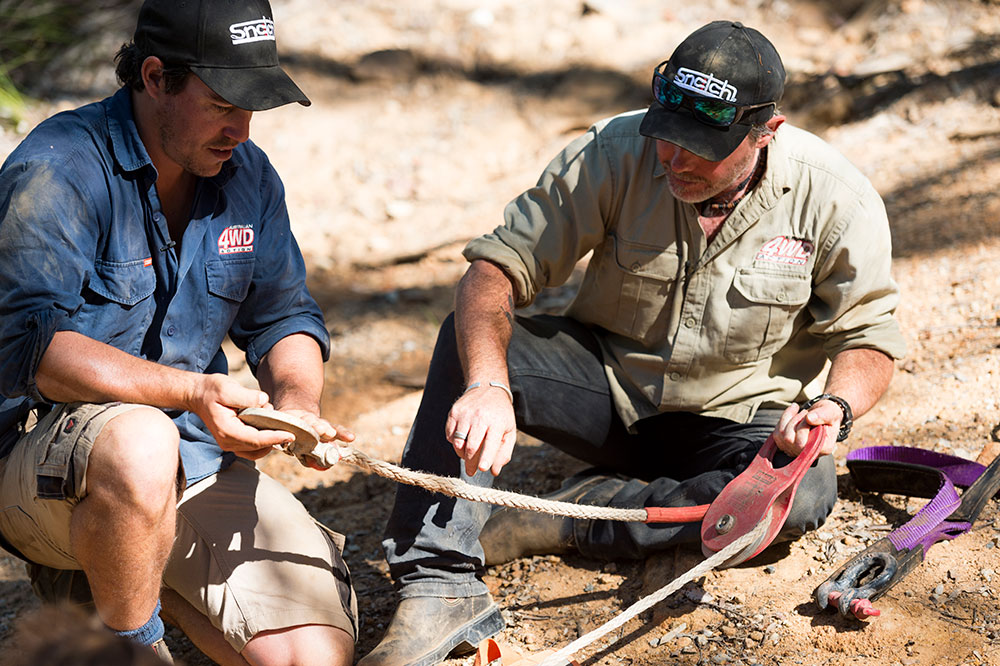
[562, 656]
[329, 454]
[457, 488]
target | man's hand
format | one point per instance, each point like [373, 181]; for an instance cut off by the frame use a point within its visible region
[217, 399]
[327, 433]
[482, 429]
[792, 431]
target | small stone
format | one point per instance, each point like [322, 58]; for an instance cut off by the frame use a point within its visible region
[756, 635]
[770, 569]
[673, 633]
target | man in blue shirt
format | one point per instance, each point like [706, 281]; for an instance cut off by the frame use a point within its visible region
[135, 234]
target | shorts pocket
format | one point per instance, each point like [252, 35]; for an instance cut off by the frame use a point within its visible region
[342, 574]
[21, 531]
[763, 306]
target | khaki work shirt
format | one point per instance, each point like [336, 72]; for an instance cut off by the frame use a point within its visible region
[799, 272]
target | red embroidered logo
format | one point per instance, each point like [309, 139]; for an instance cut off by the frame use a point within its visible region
[236, 238]
[148, 261]
[784, 250]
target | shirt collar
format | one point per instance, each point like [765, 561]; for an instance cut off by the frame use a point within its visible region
[127, 147]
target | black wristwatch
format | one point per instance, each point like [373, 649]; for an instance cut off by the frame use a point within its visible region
[845, 425]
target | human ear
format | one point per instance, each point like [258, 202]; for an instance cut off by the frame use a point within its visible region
[152, 76]
[773, 123]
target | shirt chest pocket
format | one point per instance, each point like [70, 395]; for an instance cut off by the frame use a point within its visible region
[229, 280]
[631, 290]
[123, 282]
[127, 285]
[763, 307]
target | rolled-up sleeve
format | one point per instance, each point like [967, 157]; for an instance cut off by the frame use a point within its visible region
[854, 295]
[46, 233]
[548, 228]
[278, 303]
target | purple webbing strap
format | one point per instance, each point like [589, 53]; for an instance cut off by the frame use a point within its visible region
[929, 525]
[962, 472]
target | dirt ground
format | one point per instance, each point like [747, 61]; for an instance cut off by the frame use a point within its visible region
[429, 115]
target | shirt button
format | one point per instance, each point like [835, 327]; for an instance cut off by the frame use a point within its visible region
[780, 297]
[171, 330]
[690, 322]
[636, 265]
[675, 376]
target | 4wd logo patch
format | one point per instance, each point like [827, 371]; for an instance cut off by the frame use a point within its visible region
[785, 250]
[236, 238]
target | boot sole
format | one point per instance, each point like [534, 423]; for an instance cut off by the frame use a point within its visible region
[465, 640]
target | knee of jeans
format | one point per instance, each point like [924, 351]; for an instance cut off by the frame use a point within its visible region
[814, 500]
[447, 339]
[138, 448]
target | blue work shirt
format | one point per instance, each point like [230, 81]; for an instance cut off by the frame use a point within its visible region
[84, 247]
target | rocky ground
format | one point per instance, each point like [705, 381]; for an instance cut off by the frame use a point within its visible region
[429, 115]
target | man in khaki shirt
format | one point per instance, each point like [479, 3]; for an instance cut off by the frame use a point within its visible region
[734, 256]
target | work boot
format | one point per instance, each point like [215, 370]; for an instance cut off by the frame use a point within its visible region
[513, 533]
[425, 630]
[160, 649]
[55, 586]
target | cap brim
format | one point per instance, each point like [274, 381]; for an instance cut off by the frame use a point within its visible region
[252, 88]
[682, 129]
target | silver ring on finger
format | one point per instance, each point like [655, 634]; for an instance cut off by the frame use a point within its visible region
[461, 436]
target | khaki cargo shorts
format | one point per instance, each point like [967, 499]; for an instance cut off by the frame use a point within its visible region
[247, 553]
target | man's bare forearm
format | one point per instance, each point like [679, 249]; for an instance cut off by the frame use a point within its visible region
[859, 376]
[292, 373]
[77, 368]
[484, 321]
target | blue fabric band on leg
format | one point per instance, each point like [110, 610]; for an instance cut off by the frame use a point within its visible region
[148, 633]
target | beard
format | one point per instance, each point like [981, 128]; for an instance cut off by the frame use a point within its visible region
[694, 189]
[184, 149]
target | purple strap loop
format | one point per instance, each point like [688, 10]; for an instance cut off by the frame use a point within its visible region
[930, 524]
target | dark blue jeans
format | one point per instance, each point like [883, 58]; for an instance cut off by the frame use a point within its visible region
[561, 396]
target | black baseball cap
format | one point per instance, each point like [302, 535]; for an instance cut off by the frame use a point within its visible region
[228, 44]
[724, 60]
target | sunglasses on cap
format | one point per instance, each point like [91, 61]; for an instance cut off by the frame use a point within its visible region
[708, 110]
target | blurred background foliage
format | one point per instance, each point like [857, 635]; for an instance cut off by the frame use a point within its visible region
[47, 47]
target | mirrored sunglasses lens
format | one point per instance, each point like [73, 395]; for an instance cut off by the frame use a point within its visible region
[670, 96]
[715, 113]
[664, 94]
